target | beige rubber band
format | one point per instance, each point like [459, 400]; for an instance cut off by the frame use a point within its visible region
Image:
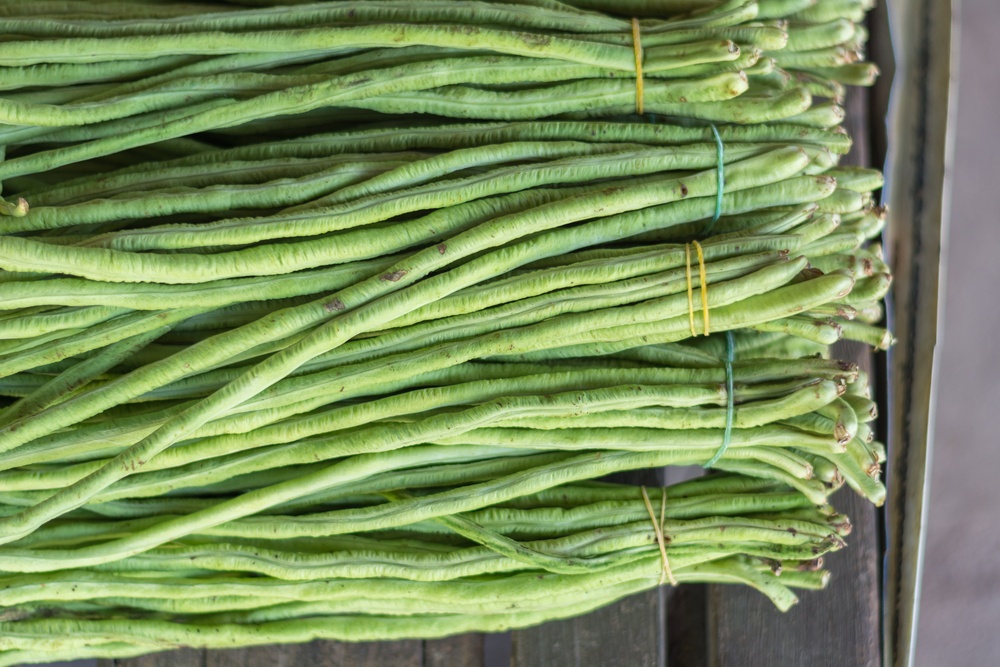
[665, 574]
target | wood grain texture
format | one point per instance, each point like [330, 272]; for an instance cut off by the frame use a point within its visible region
[687, 640]
[629, 632]
[313, 654]
[187, 657]
[461, 651]
[321, 654]
[835, 627]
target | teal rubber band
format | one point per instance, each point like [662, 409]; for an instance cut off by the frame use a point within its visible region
[720, 171]
[730, 407]
[720, 152]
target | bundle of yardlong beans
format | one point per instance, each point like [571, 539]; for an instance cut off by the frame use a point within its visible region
[319, 319]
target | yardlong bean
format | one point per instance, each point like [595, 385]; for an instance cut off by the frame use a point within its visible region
[318, 319]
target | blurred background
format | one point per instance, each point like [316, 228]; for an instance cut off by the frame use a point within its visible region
[960, 607]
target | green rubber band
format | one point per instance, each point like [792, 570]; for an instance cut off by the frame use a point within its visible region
[730, 408]
[721, 153]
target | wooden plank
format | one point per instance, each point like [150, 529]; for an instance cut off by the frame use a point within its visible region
[686, 605]
[497, 647]
[461, 651]
[314, 654]
[830, 628]
[188, 657]
[320, 654]
[687, 641]
[630, 632]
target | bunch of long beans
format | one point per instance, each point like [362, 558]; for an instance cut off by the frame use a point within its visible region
[261, 322]
[550, 554]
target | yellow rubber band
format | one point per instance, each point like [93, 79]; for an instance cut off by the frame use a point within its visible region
[637, 47]
[687, 254]
[666, 574]
[704, 284]
[663, 511]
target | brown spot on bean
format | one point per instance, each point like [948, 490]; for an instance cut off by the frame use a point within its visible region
[394, 276]
[536, 40]
[331, 306]
[442, 248]
[684, 190]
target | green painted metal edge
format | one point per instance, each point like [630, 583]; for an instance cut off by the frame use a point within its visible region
[919, 168]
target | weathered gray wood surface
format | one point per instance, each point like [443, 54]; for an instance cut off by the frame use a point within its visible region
[630, 632]
[461, 651]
